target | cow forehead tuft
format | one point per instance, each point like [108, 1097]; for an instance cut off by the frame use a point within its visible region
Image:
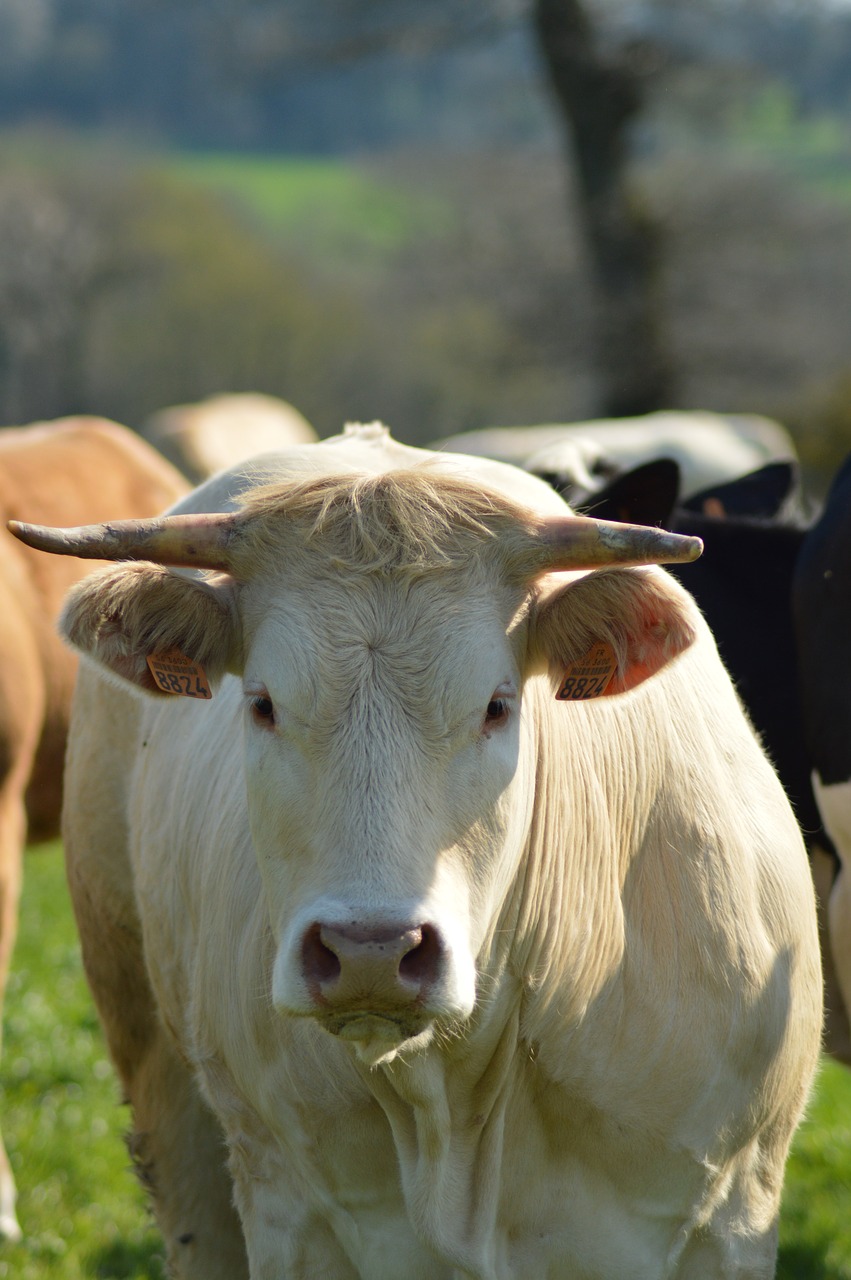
[412, 520]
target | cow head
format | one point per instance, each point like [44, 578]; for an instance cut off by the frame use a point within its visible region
[383, 629]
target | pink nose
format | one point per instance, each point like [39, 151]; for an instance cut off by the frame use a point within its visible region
[372, 967]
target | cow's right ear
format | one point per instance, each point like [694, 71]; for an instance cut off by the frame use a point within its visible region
[124, 614]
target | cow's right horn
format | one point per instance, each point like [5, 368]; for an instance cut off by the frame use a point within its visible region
[192, 541]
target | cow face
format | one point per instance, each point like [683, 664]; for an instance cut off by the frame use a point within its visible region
[389, 767]
[382, 751]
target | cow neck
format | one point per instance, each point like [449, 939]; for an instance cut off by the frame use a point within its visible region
[447, 1113]
[568, 929]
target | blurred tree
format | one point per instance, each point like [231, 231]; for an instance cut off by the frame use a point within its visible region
[58, 263]
[122, 291]
[600, 58]
[599, 94]
[214, 306]
[260, 73]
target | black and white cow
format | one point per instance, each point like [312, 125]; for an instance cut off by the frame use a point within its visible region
[821, 613]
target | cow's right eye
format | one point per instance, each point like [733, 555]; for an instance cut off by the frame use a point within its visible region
[262, 710]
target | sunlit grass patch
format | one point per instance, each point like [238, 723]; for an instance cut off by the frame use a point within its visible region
[335, 206]
[78, 1203]
[815, 1227]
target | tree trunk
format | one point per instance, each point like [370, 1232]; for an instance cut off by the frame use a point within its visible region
[598, 96]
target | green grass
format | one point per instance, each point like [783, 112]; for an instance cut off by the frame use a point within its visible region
[815, 1230]
[814, 149]
[332, 205]
[81, 1210]
[333, 208]
[79, 1206]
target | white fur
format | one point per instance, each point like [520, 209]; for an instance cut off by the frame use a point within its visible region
[710, 448]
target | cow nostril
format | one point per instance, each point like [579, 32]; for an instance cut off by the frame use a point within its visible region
[422, 963]
[319, 963]
[383, 964]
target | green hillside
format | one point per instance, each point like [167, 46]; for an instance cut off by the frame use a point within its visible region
[329, 203]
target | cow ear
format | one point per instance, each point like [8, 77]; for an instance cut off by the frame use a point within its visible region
[611, 630]
[645, 495]
[125, 614]
[762, 494]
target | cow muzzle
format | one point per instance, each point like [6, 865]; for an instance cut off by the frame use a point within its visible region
[379, 980]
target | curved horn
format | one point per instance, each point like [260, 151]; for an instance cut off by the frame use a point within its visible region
[581, 542]
[203, 542]
[193, 541]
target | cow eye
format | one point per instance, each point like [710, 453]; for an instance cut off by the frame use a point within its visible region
[262, 710]
[496, 713]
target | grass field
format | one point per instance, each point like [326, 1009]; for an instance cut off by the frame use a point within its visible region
[81, 1211]
[335, 206]
[80, 1208]
[812, 148]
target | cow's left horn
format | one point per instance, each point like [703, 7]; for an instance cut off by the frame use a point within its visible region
[580, 542]
[193, 541]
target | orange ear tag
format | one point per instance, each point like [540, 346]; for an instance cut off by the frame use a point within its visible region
[173, 672]
[589, 676]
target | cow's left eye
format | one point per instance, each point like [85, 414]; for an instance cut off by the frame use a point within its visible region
[262, 710]
[497, 713]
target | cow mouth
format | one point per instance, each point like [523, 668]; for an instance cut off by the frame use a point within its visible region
[377, 1037]
[367, 1025]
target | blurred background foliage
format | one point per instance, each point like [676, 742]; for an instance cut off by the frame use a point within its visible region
[369, 213]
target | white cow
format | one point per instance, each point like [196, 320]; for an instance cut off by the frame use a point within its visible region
[581, 457]
[429, 972]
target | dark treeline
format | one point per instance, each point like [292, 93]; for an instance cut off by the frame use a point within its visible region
[124, 286]
[262, 77]
[344, 77]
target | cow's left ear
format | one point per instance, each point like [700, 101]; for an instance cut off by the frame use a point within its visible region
[610, 630]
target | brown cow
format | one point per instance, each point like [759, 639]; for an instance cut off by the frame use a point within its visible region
[64, 470]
